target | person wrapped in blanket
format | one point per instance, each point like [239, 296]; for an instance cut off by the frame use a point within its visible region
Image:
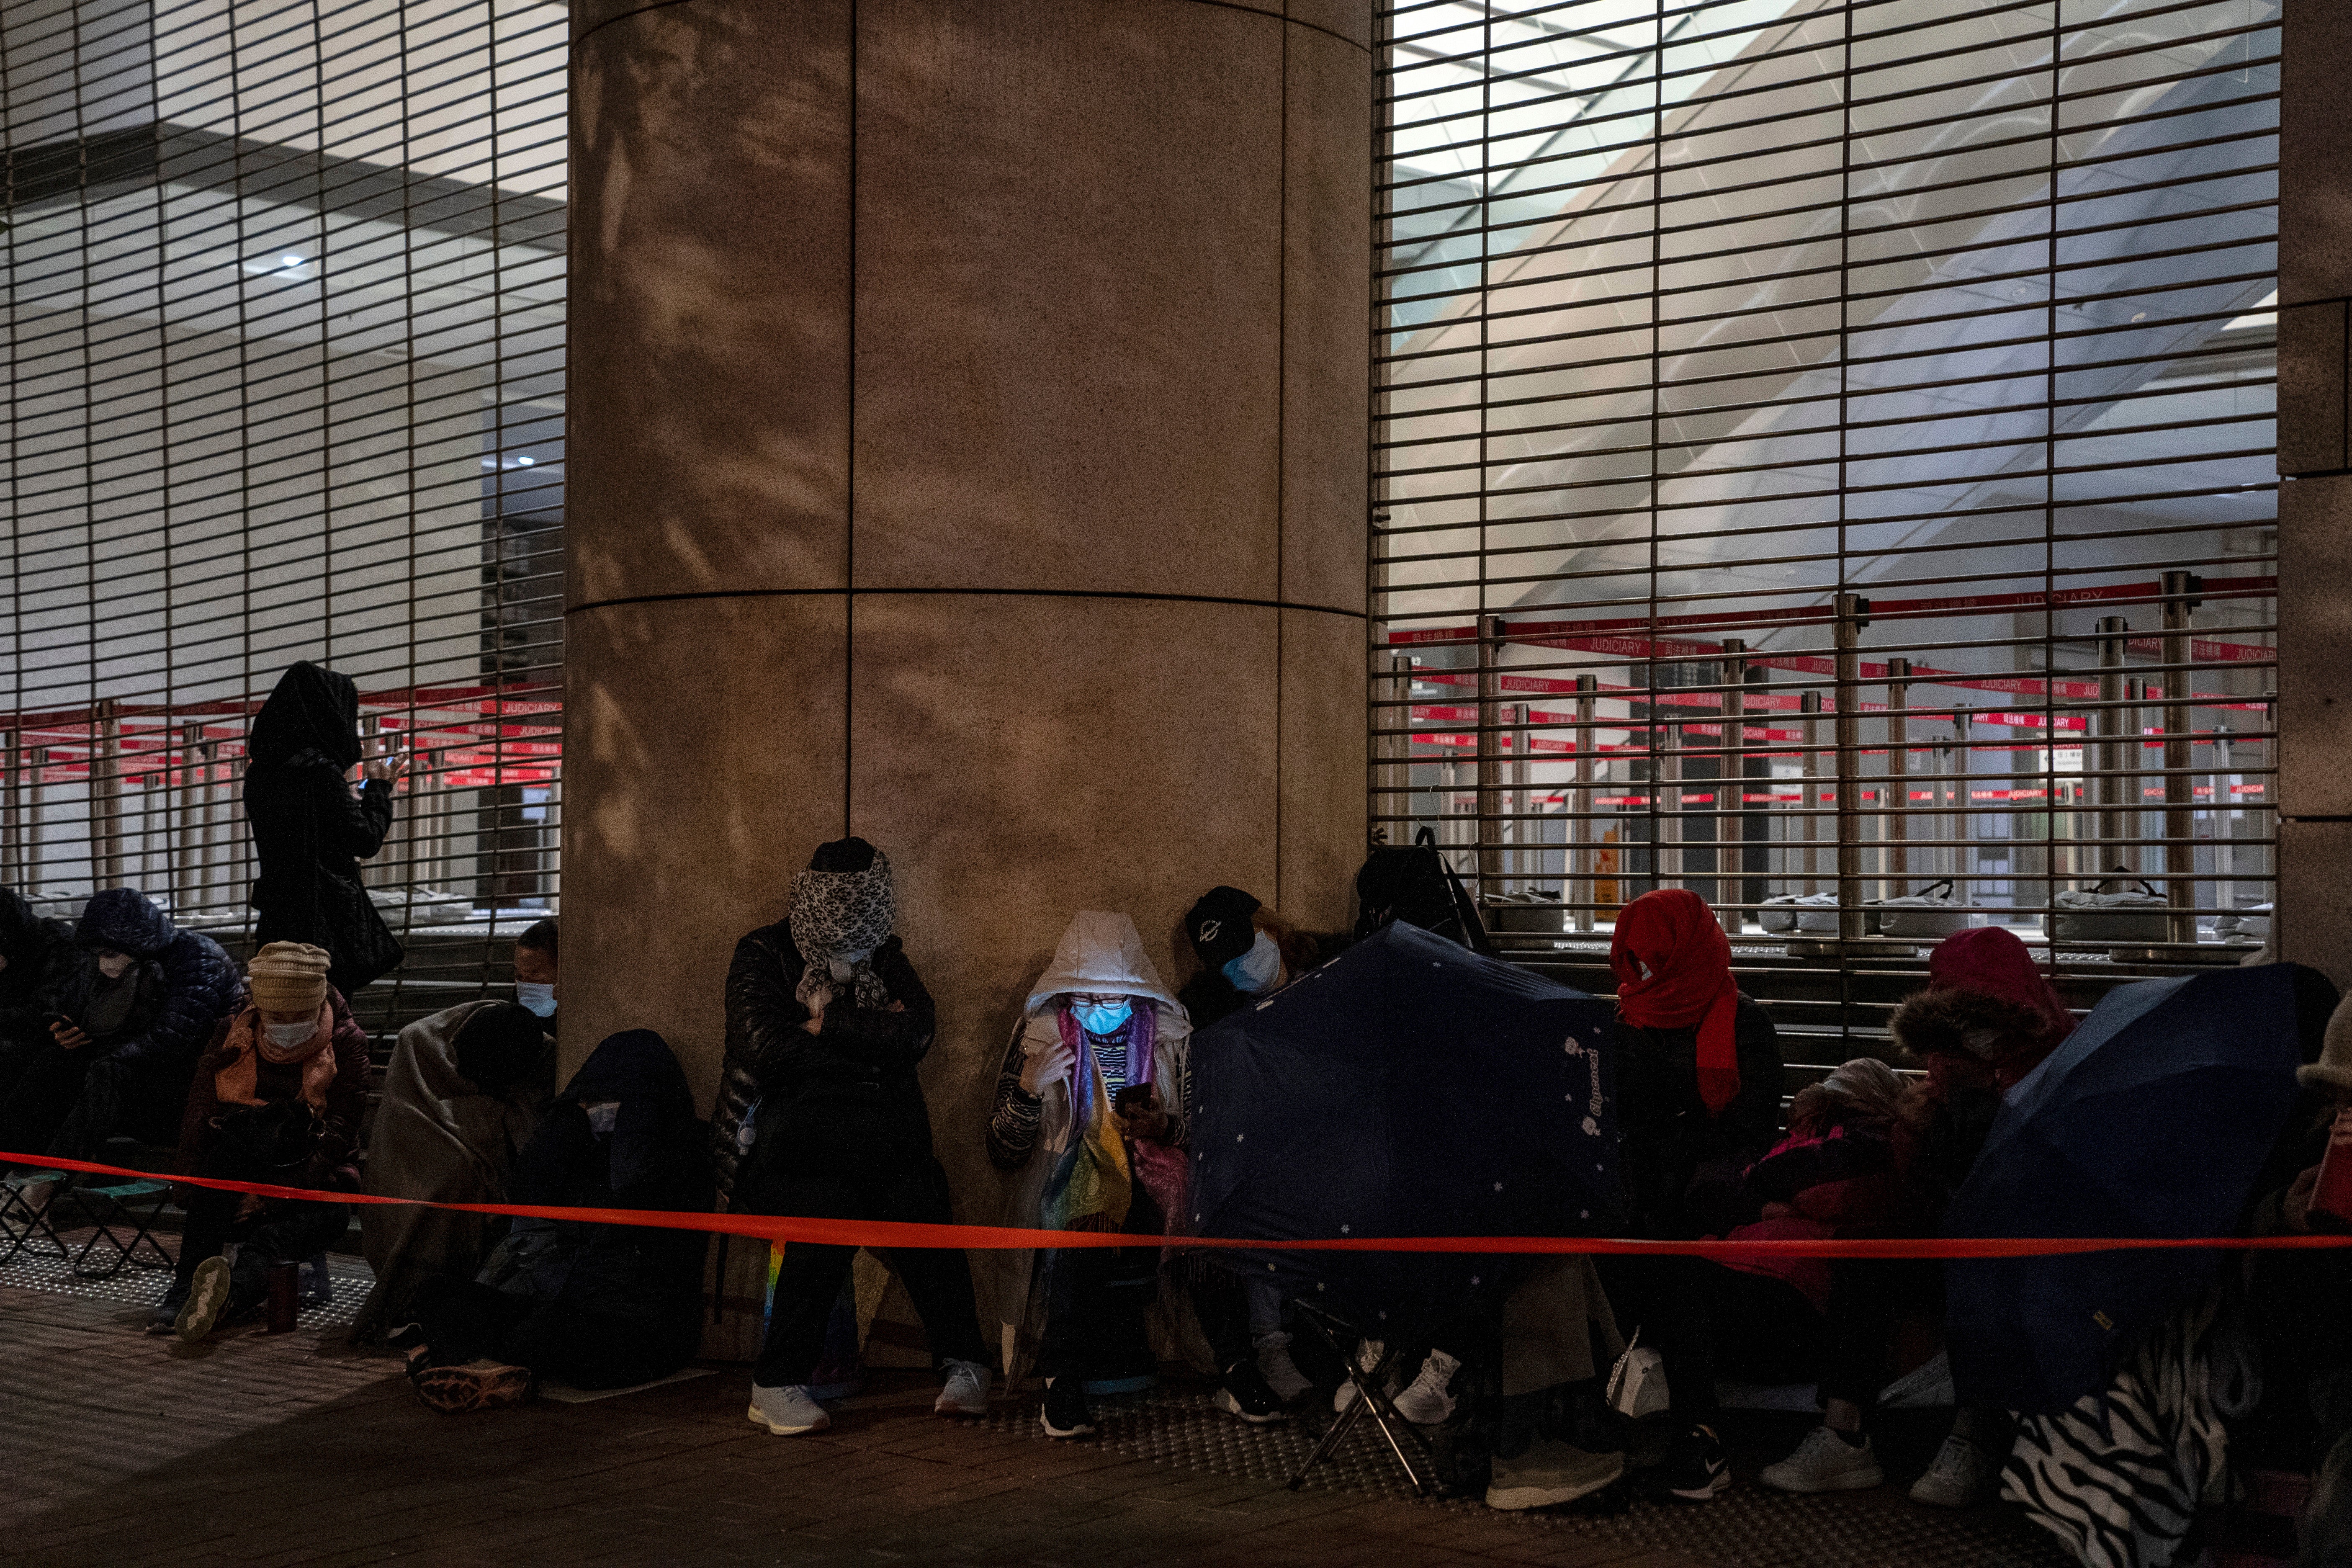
[276, 1099]
[1089, 1112]
[593, 1304]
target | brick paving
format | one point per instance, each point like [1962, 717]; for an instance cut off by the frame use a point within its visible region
[124, 1450]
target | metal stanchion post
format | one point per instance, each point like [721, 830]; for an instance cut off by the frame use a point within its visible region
[1668, 788]
[2181, 595]
[2113, 630]
[106, 794]
[1583, 891]
[1731, 791]
[1853, 614]
[1809, 705]
[1898, 780]
[1393, 781]
[1490, 757]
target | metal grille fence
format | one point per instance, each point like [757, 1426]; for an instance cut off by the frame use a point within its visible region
[1824, 456]
[284, 291]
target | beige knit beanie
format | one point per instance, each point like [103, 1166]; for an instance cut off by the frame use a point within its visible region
[2334, 1067]
[288, 977]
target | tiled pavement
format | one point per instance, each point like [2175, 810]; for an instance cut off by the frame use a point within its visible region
[124, 1450]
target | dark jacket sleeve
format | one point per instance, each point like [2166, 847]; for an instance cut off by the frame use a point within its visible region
[877, 1036]
[346, 1098]
[348, 824]
[1751, 1122]
[1014, 1119]
[764, 1019]
[200, 991]
[203, 1103]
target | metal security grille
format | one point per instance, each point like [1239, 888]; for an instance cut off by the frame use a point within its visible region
[284, 288]
[1823, 459]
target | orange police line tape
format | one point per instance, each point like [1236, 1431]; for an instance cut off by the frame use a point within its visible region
[885, 1234]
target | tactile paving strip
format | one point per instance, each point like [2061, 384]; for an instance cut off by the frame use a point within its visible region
[1747, 1527]
[143, 1283]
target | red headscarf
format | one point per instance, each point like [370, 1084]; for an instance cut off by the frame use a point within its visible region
[1673, 936]
[1991, 961]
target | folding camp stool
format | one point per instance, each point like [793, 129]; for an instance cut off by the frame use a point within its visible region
[111, 1210]
[22, 1224]
[1372, 1398]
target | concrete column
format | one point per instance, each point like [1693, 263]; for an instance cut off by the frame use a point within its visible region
[2315, 637]
[967, 451]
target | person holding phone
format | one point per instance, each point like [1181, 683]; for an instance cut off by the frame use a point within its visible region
[1089, 1110]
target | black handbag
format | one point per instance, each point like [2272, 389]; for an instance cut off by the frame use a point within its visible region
[363, 949]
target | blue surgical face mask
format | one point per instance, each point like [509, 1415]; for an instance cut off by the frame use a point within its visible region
[1102, 1018]
[1258, 969]
[540, 999]
[286, 1037]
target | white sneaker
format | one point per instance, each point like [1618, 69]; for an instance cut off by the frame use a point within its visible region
[1281, 1374]
[1825, 1462]
[1367, 1356]
[207, 1294]
[1962, 1475]
[1428, 1401]
[966, 1392]
[788, 1411]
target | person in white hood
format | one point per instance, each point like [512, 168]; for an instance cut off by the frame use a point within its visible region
[1090, 1109]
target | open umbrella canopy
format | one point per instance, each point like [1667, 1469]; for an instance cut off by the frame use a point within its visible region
[1408, 1088]
[2152, 1119]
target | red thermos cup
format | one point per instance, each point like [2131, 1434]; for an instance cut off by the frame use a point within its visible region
[2332, 1199]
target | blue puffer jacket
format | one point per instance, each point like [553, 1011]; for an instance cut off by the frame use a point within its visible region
[200, 983]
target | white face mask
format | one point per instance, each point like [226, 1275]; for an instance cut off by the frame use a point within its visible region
[115, 965]
[286, 1037]
[1256, 970]
[1102, 1018]
[603, 1115]
[540, 999]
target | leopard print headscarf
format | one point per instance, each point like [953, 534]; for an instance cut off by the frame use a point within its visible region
[837, 912]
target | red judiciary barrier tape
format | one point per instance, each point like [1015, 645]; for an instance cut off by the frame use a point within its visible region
[884, 1234]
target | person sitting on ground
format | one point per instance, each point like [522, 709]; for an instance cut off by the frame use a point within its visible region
[39, 1078]
[1699, 1102]
[143, 999]
[464, 1090]
[1089, 1110]
[829, 1020]
[1987, 1019]
[1247, 953]
[585, 1302]
[276, 1099]
[1833, 1175]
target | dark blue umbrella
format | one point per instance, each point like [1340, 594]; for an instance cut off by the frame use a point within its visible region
[2153, 1119]
[1408, 1088]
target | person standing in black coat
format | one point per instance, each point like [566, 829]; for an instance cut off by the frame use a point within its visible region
[829, 1021]
[310, 833]
[36, 961]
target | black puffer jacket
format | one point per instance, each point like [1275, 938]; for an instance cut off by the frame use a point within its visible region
[41, 963]
[1682, 1165]
[200, 982]
[309, 832]
[858, 1072]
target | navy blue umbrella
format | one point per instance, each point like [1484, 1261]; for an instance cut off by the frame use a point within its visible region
[2153, 1119]
[1408, 1088]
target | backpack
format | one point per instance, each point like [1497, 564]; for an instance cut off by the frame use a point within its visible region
[1413, 884]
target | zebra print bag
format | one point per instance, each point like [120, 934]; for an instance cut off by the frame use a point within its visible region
[2119, 1475]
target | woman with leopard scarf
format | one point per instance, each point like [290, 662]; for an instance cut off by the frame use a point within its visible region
[827, 1022]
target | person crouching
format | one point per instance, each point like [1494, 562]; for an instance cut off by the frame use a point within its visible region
[276, 1099]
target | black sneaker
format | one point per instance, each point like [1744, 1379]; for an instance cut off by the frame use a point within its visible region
[1695, 1470]
[1247, 1395]
[1065, 1414]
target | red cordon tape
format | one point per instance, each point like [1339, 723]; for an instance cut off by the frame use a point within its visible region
[885, 1234]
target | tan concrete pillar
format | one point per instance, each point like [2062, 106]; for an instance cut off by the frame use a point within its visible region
[2315, 570]
[967, 451]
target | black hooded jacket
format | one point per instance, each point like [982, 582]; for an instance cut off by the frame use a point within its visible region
[1683, 1166]
[655, 1156]
[310, 833]
[41, 963]
[199, 982]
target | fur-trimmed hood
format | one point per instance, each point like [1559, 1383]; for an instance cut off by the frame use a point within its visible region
[1992, 1029]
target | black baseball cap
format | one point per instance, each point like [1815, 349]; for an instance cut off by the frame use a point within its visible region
[1219, 926]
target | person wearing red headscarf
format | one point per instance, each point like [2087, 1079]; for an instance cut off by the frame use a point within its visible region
[1987, 1019]
[1698, 1102]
